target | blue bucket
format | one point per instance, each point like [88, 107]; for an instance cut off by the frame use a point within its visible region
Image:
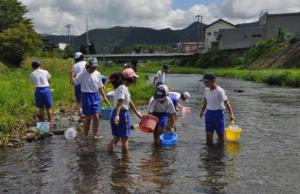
[106, 113]
[43, 127]
[168, 139]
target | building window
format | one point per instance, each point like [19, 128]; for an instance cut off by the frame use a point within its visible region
[215, 33]
[245, 36]
[256, 35]
[208, 33]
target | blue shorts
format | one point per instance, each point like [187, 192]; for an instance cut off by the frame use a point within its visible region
[159, 84]
[215, 121]
[43, 98]
[124, 127]
[77, 90]
[163, 119]
[90, 103]
[174, 100]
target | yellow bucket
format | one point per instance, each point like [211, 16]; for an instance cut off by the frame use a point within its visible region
[233, 132]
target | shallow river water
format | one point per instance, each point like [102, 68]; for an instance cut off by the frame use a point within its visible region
[266, 160]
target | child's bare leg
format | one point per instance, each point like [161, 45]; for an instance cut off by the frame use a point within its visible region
[112, 145]
[86, 125]
[41, 115]
[209, 138]
[95, 124]
[50, 116]
[221, 139]
[125, 145]
[156, 135]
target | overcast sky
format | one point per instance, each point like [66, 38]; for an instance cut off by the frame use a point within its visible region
[50, 16]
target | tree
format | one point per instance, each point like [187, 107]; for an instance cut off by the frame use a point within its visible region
[92, 49]
[12, 13]
[17, 35]
[15, 42]
[82, 49]
[68, 52]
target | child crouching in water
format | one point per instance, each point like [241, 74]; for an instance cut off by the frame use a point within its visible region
[91, 84]
[120, 119]
[215, 102]
[162, 107]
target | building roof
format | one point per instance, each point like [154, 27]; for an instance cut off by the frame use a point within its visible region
[219, 20]
[282, 14]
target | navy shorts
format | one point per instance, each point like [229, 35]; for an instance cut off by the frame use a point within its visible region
[90, 103]
[163, 119]
[43, 98]
[159, 84]
[124, 127]
[215, 121]
[77, 90]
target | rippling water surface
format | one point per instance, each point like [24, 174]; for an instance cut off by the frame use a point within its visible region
[265, 161]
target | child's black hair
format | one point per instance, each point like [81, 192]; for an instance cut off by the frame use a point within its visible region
[116, 79]
[35, 64]
[81, 58]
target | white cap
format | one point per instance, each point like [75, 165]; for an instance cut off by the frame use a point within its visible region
[77, 55]
[187, 96]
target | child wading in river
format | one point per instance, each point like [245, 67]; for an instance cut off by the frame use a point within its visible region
[176, 97]
[91, 88]
[160, 77]
[162, 107]
[78, 67]
[43, 100]
[120, 119]
[215, 102]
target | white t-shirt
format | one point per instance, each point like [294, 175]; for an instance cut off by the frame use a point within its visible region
[78, 67]
[160, 77]
[175, 95]
[122, 93]
[40, 78]
[166, 107]
[90, 82]
[215, 98]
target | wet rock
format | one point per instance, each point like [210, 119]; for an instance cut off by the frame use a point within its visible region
[239, 90]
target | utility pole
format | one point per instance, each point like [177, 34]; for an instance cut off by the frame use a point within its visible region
[87, 37]
[69, 26]
[198, 31]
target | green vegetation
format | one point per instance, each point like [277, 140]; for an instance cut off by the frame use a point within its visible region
[17, 111]
[17, 35]
[280, 77]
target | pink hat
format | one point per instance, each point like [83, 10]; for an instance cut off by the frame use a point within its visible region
[128, 73]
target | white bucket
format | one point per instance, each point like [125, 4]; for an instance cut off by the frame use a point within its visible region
[43, 127]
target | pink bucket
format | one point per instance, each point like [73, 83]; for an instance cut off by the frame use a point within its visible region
[186, 110]
[148, 123]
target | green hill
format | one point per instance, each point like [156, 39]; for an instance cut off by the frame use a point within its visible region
[106, 39]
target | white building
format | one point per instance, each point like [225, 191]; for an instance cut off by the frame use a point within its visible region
[190, 47]
[62, 46]
[212, 33]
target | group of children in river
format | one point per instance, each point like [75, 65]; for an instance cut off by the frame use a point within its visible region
[89, 86]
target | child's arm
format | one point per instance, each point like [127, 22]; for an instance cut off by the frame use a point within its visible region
[172, 121]
[229, 108]
[101, 90]
[132, 106]
[118, 109]
[203, 108]
[154, 80]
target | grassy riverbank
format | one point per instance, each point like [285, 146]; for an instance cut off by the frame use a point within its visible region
[17, 111]
[279, 77]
